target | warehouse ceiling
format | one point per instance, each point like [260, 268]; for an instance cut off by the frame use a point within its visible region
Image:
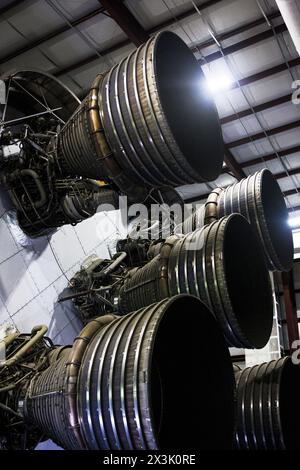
[243, 47]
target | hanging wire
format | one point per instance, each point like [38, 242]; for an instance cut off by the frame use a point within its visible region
[210, 185]
[56, 258]
[40, 50]
[283, 56]
[214, 37]
[6, 104]
[230, 67]
[83, 36]
[36, 99]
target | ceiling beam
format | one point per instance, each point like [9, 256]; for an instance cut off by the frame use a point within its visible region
[32, 44]
[202, 197]
[170, 21]
[271, 156]
[190, 12]
[138, 36]
[294, 171]
[239, 46]
[185, 14]
[126, 20]
[289, 299]
[233, 165]
[261, 135]
[290, 192]
[236, 31]
[165, 24]
[257, 109]
[119, 45]
[91, 58]
[266, 73]
[242, 82]
[10, 6]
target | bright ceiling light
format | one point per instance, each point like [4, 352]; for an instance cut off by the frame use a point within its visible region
[215, 83]
[294, 222]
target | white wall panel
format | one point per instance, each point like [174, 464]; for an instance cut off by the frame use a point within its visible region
[8, 245]
[17, 286]
[4, 315]
[33, 277]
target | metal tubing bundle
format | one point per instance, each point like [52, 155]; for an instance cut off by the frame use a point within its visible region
[260, 200]
[268, 406]
[142, 287]
[212, 264]
[147, 121]
[132, 383]
[77, 207]
[82, 141]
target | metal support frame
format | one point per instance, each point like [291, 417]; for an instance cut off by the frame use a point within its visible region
[11, 6]
[236, 31]
[203, 197]
[290, 307]
[234, 48]
[290, 192]
[137, 34]
[267, 73]
[271, 156]
[258, 108]
[278, 176]
[294, 171]
[260, 135]
[233, 165]
[243, 44]
[126, 20]
[31, 45]
[190, 12]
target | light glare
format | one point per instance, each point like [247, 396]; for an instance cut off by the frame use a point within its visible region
[294, 222]
[216, 84]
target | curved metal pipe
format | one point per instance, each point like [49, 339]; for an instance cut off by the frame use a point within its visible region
[205, 215]
[37, 332]
[112, 266]
[211, 206]
[33, 174]
[10, 338]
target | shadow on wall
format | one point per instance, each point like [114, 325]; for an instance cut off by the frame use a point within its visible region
[5, 201]
[20, 270]
[17, 286]
[33, 275]
[65, 321]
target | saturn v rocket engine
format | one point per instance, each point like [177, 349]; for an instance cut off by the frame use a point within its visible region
[126, 383]
[146, 123]
[210, 263]
[154, 310]
[44, 196]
